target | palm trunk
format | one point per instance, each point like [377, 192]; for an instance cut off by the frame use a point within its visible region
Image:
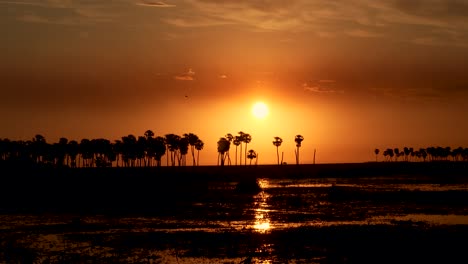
[236, 155]
[240, 155]
[193, 155]
[245, 154]
[277, 155]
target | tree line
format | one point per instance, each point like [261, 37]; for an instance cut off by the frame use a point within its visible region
[129, 151]
[423, 154]
[132, 151]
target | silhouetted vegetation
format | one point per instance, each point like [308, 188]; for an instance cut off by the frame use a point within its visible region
[277, 143]
[298, 139]
[129, 151]
[433, 154]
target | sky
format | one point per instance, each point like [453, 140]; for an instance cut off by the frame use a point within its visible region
[350, 76]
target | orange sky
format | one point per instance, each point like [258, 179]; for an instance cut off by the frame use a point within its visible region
[349, 77]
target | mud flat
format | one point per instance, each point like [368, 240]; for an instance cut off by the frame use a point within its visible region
[324, 213]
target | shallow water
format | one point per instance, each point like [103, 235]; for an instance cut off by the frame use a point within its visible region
[226, 227]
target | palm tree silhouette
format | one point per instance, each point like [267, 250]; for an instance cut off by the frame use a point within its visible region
[129, 150]
[230, 138]
[117, 147]
[247, 139]
[252, 155]
[141, 150]
[237, 141]
[277, 144]
[298, 139]
[61, 151]
[39, 146]
[376, 151]
[397, 153]
[241, 139]
[407, 153]
[192, 140]
[73, 151]
[183, 148]
[158, 147]
[172, 142]
[199, 146]
[85, 152]
[148, 140]
[223, 147]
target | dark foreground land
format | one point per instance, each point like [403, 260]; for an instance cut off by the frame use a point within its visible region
[327, 213]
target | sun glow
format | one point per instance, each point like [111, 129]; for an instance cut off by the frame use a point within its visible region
[260, 110]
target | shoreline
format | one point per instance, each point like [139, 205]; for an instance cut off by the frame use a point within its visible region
[338, 170]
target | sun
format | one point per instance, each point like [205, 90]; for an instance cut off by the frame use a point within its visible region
[260, 110]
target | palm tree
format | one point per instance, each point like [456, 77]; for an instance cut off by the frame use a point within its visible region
[192, 139]
[237, 141]
[61, 151]
[241, 139]
[230, 138]
[298, 139]
[252, 155]
[397, 153]
[149, 134]
[72, 150]
[277, 143]
[390, 153]
[141, 150]
[376, 151]
[129, 150]
[172, 142]
[199, 146]
[223, 147]
[39, 146]
[183, 148]
[117, 147]
[158, 147]
[247, 139]
[407, 153]
[148, 140]
[85, 152]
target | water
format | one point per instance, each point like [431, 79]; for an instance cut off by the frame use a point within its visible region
[293, 221]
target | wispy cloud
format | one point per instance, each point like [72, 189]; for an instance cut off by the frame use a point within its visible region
[186, 76]
[33, 18]
[223, 76]
[154, 4]
[409, 94]
[363, 34]
[21, 3]
[354, 18]
[66, 12]
[321, 87]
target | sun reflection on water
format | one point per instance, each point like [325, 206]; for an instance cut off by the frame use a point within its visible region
[262, 222]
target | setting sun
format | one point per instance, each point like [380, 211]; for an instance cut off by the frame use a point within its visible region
[260, 110]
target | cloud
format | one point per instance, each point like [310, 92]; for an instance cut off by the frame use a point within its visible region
[33, 18]
[327, 81]
[399, 20]
[154, 4]
[21, 3]
[409, 94]
[187, 76]
[223, 76]
[321, 87]
[363, 34]
[67, 12]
